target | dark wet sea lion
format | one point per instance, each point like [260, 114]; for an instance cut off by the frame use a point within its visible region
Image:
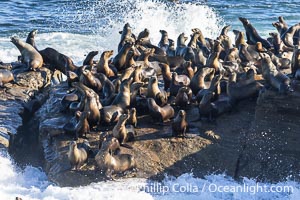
[82, 127]
[288, 36]
[58, 61]
[77, 156]
[252, 35]
[119, 60]
[6, 76]
[179, 124]
[30, 56]
[132, 119]
[183, 97]
[164, 41]
[89, 58]
[30, 38]
[88, 79]
[158, 113]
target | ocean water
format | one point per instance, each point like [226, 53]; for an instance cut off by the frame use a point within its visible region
[78, 27]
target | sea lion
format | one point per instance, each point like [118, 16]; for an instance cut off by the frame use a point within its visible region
[119, 60]
[177, 82]
[181, 47]
[144, 40]
[120, 132]
[123, 97]
[274, 77]
[92, 107]
[103, 66]
[88, 79]
[78, 156]
[197, 82]
[126, 34]
[164, 41]
[132, 119]
[295, 60]
[288, 36]
[180, 125]
[152, 89]
[89, 58]
[111, 113]
[252, 35]
[171, 48]
[58, 61]
[113, 163]
[214, 88]
[188, 69]
[161, 114]
[183, 97]
[239, 38]
[30, 38]
[242, 89]
[166, 74]
[6, 76]
[30, 56]
[213, 59]
[82, 127]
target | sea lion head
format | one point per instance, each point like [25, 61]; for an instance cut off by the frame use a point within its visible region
[182, 113]
[14, 39]
[163, 32]
[124, 117]
[245, 21]
[153, 80]
[72, 144]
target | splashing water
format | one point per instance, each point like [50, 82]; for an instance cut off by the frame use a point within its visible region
[84, 26]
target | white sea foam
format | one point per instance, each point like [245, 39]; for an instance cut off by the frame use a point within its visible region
[32, 184]
[153, 15]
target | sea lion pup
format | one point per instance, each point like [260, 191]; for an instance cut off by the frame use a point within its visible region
[274, 77]
[30, 56]
[30, 38]
[78, 156]
[288, 37]
[164, 41]
[214, 88]
[132, 119]
[181, 47]
[183, 97]
[180, 125]
[110, 163]
[123, 97]
[119, 61]
[88, 79]
[6, 76]
[103, 66]
[120, 132]
[252, 35]
[198, 82]
[89, 58]
[161, 114]
[242, 89]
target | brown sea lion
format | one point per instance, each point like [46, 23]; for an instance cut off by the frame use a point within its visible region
[82, 127]
[166, 74]
[30, 56]
[6, 76]
[103, 66]
[198, 82]
[183, 97]
[92, 107]
[177, 82]
[30, 38]
[181, 47]
[188, 69]
[132, 119]
[152, 89]
[180, 125]
[242, 89]
[126, 34]
[88, 79]
[288, 36]
[120, 132]
[123, 97]
[77, 156]
[119, 60]
[214, 88]
[274, 77]
[161, 114]
[113, 163]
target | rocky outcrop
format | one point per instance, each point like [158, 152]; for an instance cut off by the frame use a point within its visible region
[20, 98]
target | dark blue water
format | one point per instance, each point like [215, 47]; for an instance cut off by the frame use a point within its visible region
[85, 16]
